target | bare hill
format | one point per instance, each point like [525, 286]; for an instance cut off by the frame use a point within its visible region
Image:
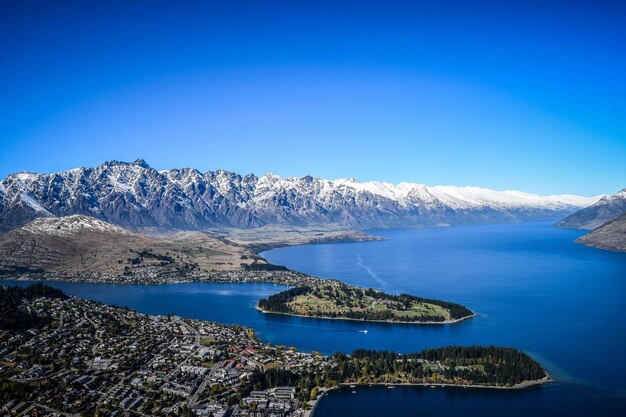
[611, 235]
[82, 245]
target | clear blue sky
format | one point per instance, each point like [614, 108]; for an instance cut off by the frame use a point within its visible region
[506, 95]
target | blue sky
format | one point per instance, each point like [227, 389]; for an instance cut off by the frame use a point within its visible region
[505, 95]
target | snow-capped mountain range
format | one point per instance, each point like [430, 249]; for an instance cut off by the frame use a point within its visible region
[137, 196]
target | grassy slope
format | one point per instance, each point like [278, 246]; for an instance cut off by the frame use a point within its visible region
[310, 304]
[340, 300]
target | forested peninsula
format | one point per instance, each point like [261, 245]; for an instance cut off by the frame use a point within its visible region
[342, 301]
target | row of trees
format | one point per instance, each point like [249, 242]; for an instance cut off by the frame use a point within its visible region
[272, 378]
[378, 315]
[256, 266]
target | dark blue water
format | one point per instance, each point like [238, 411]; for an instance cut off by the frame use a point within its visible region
[534, 289]
[550, 400]
[532, 286]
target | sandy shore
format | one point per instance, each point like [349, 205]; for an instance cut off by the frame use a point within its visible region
[369, 321]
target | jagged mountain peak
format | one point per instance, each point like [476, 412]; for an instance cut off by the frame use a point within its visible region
[140, 162]
[116, 163]
[618, 196]
[605, 209]
[134, 195]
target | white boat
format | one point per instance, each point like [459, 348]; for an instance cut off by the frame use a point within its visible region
[354, 392]
[352, 386]
[362, 331]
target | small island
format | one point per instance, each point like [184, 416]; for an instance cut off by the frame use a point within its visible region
[342, 301]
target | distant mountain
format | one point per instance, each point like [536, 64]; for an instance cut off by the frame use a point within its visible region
[589, 218]
[611, 235]
[136, 196]
[81, 245]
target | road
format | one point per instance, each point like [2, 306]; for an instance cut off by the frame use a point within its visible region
[204, 383]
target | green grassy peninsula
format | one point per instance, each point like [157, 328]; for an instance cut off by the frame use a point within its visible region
[342, 301]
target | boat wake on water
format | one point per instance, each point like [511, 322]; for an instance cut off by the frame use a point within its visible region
[359, 262]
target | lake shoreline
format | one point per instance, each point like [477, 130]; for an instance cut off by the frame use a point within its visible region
[370, 321]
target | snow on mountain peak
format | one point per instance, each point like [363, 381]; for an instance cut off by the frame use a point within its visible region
[467, 197]
[134, 195]
[32, 203]
[63, 226]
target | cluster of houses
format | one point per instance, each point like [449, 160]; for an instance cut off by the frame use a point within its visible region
[155, 274]
[119, 362]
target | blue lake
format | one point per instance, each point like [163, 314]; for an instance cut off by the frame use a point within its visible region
[534, 289]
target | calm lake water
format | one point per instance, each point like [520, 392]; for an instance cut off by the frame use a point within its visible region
[534, 289]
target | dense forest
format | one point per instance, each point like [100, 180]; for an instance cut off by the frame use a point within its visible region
[12, 316]
[272, 378]
[490, 365]
[357, 298]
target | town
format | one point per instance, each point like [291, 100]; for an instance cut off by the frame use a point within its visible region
[153, 275]
[101, 360]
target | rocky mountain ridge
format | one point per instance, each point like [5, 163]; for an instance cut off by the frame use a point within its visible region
[606, 209]
[610, 236]
[136, 196]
